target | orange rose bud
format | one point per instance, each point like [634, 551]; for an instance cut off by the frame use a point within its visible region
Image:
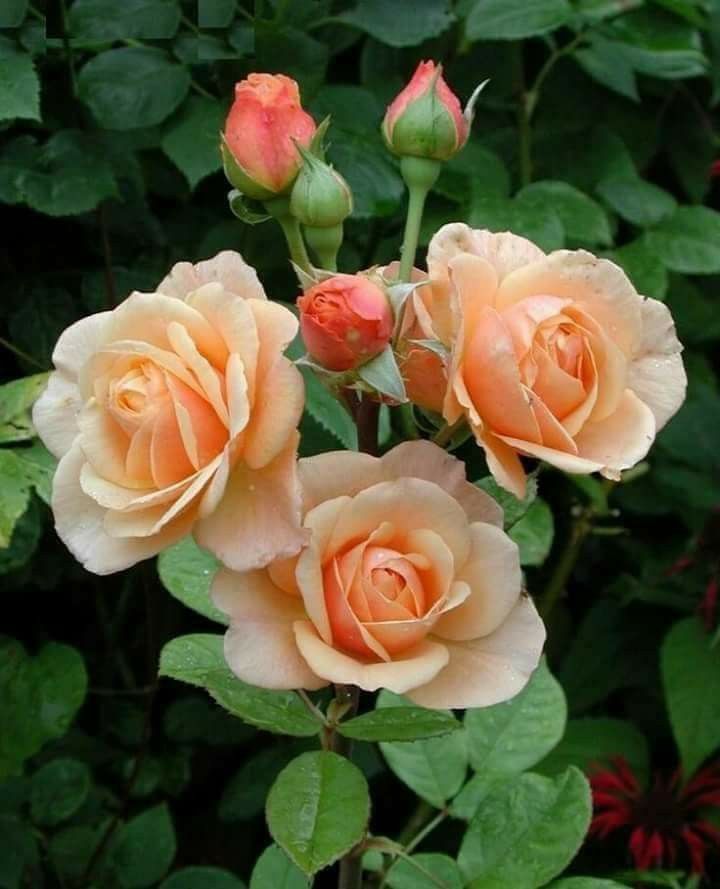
[345, 321]
[258, 146]
[426, 119]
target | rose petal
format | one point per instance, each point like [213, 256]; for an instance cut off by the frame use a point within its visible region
[79, 522]
[275, 415]
[621, 440]
[493, 574]
[260, 645]
[657, 375]
[417, 665]
[486, 671]
[227, 268]
[258, 519]
[55, 413]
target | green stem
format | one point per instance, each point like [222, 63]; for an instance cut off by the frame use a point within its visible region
[564, 567]
[68, 48]
[444, 436]
[21, 354]
[523, 120]
[420, 174]
[279, 208]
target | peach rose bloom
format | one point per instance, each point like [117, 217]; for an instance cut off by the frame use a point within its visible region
[552, 356]
[177, 411]
[408, 583]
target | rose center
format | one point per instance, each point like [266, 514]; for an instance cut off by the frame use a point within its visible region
[137, 395]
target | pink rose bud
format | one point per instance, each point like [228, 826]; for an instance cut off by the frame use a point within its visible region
[345, 321]
[261, 131]
[426, 119]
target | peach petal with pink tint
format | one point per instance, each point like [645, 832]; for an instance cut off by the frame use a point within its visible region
[495, 580]
[486, 671]
[228, 268]
[417, 665]
[260, 646]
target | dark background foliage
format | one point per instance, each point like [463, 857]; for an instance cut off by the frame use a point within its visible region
[598, 129]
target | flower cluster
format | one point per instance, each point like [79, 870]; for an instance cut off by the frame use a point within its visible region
[177, 413]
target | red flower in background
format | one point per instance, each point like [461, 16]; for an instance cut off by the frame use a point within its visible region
[664, 821]
[715, 169]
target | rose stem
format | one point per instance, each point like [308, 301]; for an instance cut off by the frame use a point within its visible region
[420, 174]
[279, 208]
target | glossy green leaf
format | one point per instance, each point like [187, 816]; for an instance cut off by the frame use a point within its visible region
[534, 533]
[132, 87]
[525, 217]
[274, 870]
[511, 737]
[399, 724]
[318, 809]
[198, 660]
[144, 848]
[515, 19]
[636, 200]
[19, 88]
[595, 741]
[39, 697]
[216, 13]
[513, 509]
[583, 219]
[691, 679]
[434, 768]
[641, 265]
[401, 23]
[109, 20]
[187, 570]
[16, 401]
[657, 44]
[607, 66]
[327, 410]
[586, 883]
[424, 871]
[526, 831]
[57, 790]
[688, 241]
[192, 141]
[202, 878]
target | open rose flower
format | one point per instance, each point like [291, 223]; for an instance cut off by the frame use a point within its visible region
[408, 583]
[552, 356]
[177, 411]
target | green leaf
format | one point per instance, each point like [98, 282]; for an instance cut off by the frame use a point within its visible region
[318, 809]
[520, 215]
[691, 679]
[198, 659]
[202, 878]
[434, 768]
[132, 87]
[245, 793]
[70, 174]
[526, 832]
[513, 509]
[383, 375]
[399, 724]
[106, 20]
[511, 737]
[515, 19]
[19, 88]
[533, 533]
[16, 401]
[186, 570]
[57, 790]
[595, 741]
[656, 44]
[636, 200]
[474, 164]
[25, 539]
[586, 883]
[325, 409]
[39, 697]
[144, 848]
[18, 851]
[15, 494]
[607, 66]
[12, 13]
[415, 873]
[280, 47]
[401, 23]
[641, 265]
[216, 13]
[274, 870]
[584, 221]
[191, 139]
[688, 241]
[375, 183]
